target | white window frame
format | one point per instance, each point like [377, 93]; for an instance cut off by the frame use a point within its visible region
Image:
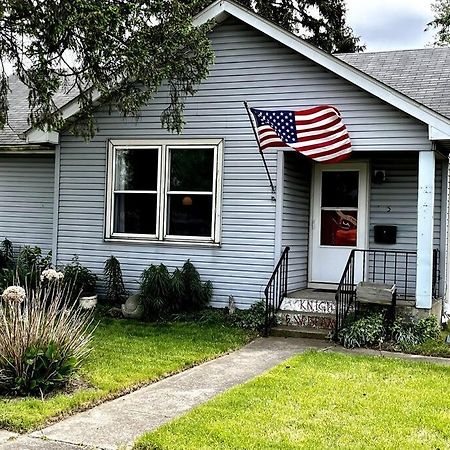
[163, 190]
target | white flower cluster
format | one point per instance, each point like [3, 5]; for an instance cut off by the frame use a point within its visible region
[14, 294]
[51, 275]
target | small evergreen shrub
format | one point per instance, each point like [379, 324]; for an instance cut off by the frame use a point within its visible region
[115, 288]
[43, 341]
[163, 294]
[367, 331]
[6, 254]
[155, 292]
[78, 279]
[26, 270]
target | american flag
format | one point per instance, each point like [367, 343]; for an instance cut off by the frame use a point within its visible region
[317, 133]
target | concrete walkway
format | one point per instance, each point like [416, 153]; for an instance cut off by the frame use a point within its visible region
[119, 422]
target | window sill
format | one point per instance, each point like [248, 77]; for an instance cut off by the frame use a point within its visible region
[175, 243]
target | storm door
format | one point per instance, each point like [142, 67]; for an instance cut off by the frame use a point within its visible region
[339, 220]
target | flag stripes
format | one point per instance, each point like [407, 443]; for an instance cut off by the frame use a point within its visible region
[318, 133]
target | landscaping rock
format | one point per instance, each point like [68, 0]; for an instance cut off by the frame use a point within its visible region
[115, 312]
[133, 308]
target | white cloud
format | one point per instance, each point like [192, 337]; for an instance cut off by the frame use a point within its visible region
[391, 24]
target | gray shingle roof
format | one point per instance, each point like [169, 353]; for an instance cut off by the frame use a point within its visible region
[423, 75]
[19, 110]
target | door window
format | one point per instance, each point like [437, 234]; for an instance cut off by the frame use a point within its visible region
[339, 209]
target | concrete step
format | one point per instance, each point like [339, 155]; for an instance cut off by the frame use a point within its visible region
[306, 320]
[300, 332]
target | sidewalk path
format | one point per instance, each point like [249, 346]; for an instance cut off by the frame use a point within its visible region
[119, 422]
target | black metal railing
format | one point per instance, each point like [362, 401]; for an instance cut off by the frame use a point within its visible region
[276, 290]
[380, 266]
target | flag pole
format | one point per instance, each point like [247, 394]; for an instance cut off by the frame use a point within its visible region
[259, 146]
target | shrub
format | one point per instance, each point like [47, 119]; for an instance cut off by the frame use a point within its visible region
[115, 288]
[27, 269]
[79, 279]
[409, 332]
[163, 294]
[6, 254]
[42, 340]
[250, 319]
[189, 293]
[155, 291]
[367, 331]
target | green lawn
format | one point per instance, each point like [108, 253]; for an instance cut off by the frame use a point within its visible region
[322, 401]
[126, 354]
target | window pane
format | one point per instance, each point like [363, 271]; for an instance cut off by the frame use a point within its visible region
[339, 228]
[190, 215]
[136, 169]
[135, 213]
[340, 189]
[191, 169]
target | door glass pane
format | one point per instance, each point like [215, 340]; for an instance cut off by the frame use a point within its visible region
[190, 215]
[135, 213]
[191, 169]
[340, 189]
[339, 228]
[136, 169]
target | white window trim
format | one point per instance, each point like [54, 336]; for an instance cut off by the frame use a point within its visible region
[164, 146]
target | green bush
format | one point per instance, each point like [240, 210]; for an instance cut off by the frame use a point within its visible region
[43, 341]
[78, 279]
[367, 331]
[115, 288]
[163, 294]
[155, 292]
[26, 270]
[405, 333]
[6, 254]
[409, 332]
[250, 319]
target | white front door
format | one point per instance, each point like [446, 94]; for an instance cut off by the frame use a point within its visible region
[338, 220]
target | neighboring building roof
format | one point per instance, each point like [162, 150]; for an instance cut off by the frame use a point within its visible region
[19, 111]
[423, 75]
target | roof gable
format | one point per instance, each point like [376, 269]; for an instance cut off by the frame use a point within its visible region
[221, 9]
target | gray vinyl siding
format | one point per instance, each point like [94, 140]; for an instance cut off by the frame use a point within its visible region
[296, 211]
[394, 202]
[248, 66]
[26, 200]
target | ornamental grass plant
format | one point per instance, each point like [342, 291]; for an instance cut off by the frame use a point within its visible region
[44, 337]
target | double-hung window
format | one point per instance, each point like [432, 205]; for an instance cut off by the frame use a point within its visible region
[164, 191]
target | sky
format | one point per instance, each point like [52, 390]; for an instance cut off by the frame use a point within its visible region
[391, 24]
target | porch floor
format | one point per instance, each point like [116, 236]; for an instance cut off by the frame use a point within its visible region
[313, 294]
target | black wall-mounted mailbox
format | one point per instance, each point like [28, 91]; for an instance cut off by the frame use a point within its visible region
[385, 234]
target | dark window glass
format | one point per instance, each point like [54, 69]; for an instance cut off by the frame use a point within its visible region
[191, 169]
[340, 189]
[136, 170]
[135, 213]
[339, 228]
[190, 215]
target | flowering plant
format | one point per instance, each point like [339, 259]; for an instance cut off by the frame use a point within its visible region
[51, 275]
[14, 294]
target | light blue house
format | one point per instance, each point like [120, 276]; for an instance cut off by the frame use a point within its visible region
[134, 192]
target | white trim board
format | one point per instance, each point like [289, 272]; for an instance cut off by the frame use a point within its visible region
[221, 9]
